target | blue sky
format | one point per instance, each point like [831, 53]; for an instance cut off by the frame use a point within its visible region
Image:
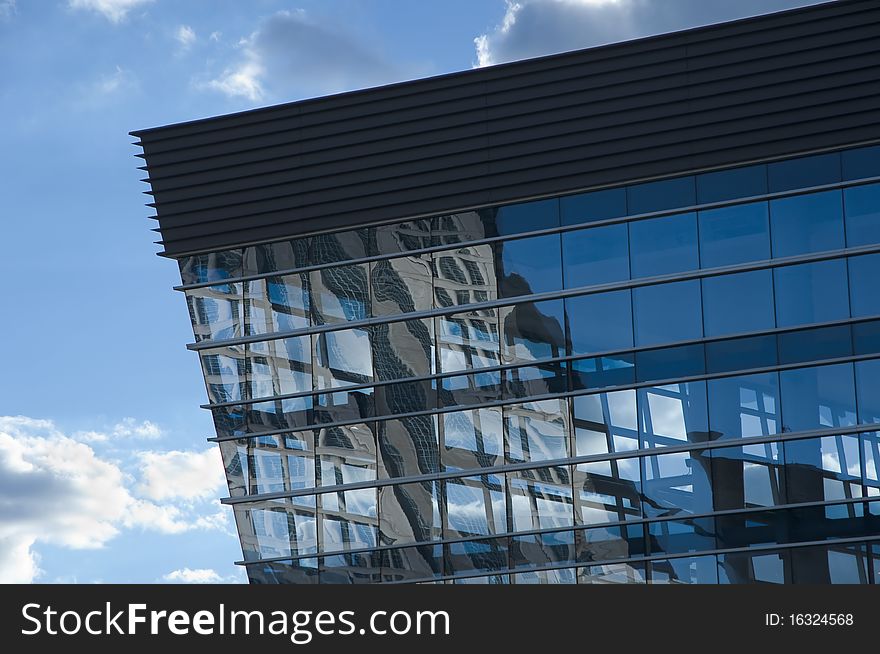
[105, 475]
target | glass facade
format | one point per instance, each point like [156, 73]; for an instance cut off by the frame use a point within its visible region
[666, 382]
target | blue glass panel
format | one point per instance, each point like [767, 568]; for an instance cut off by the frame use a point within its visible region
[476, 556]
[818, 398]
[667, 312]
[804, 172]
[861, 162]
[862, 208]
[211, 267]
[738, 303]
[748, 476]
[599, 322]
[864, 275]
[664, 245]
[741, 353]
[754, 568]
[608, 543]
[527, 217]
[744, 406]
[723, 185]
[685, 570]
[595, 256]
[605, 422]
[607, 491]
[866, 337]
[868, 387]
[529, 265]
[830, 564]
[811, 292]
[823, 469]
[680, 536]
[668, 362]
[597, 205]
[600, 372]
[673, 414]
[676, 483]
[736, 234]
[815, 344]
[658, 196]
[807, 223]
[533, 330]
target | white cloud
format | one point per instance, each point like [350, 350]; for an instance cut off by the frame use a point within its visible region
[197, 576]
[185, 36]
[215, 36]
[290, 53]
[117, 80]
[531, 28]
[55, 489]
[124, 429]
[114, 10]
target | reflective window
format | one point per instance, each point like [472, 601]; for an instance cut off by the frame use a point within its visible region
[803, 172]
[747, 476]
[269, 464]
[540, 499]
[293, 413]
[741, 353]
[738, 303]
[274, 528]
[617, 573]
[402, 237]
[527, 216]
[342, 358]
[605, 422]
[468, 340]
[823, 469]
[401, 285]
[597, 372]
[472, 439]
[744, 406]
[535, 550]
[673, 414]
[864, 291]
[663, 363]
[277, 304]
[403, 349]
[664, 245]
[279, 367]
[736, 234]
[215, 311]
[409, 513]
[346, 455]
[657, 196]
[817, 343]
[598, 255]
[807, 223]
[723, 185]
[596, 205]
[862, 204]
[293, 571]
[541, 379]
[529, 265]
[353, 568]
[600, 322]
[607, 491]
[859, 163]
[868, 388]
[685, 570]
[477, 556]
[616, 542]
[271, 257]
[533, 331]
[406, 563]
[818, 398]
[225, 371]
[463, 390]
[753, 568]
[408, 446]
[537, 431]
[475, 506]
[349, 519]
[811, 292]
[871, 464]
[462, 227]
[681, 536]
[830, 564]
[465, 276]
[358, 404]
[340, 294]
[667, 312]
[211, 267]
[674, 483]
[338, 246]
[556, 576]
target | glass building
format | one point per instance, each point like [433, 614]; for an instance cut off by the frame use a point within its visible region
[674, 378]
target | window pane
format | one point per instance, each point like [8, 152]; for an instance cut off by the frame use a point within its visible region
[277, 304]
[410, 563]
[346, 455]
[354, 568]
[274, 528]
[600, 322]
[667, 312]
[529, 265]
[748, 568]
[744, 406]
[823, 469]
[859, 163]
[269, 464]
[681, 536]
[741, 353]
[674, 483]
[818, 398]
[541, 379]
[811, 292]
[338, 246]
[599, 372]
[540, 499]
[657, 196]
[463, 390]
[738, 303]
[342, 358]
[465, 276]
[279, 367]
[862, 205]
[616, 542]
[598, 255]
[477, 556]
[807, 223]
[816, 343]
[462, 227]
[685, 570]
[537, 431]
[215, 311]
[409, 513]
[402, 237]
[868, 388]
[211, 267]
[829, 564]
[673, 414]
[607, 491]
[472, 439]
[730, 184]
[618, 573]
[664, 245]
[864, 272]
[349, 519]
[596, 205]
[401, 285]
[668, 362]
[292, 413]
[804, 172]
[747, 476]
[732, 235]
[475, 506]
[527, 217]
[533, 331]
[871, 464]
[340, 294]
[403, 349]
[271, 257]
[358, 404]
[408, 446]
[605, 422]
[468, 340]
[225, 371]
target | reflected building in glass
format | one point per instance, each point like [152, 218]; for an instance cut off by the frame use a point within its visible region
[607, 360]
